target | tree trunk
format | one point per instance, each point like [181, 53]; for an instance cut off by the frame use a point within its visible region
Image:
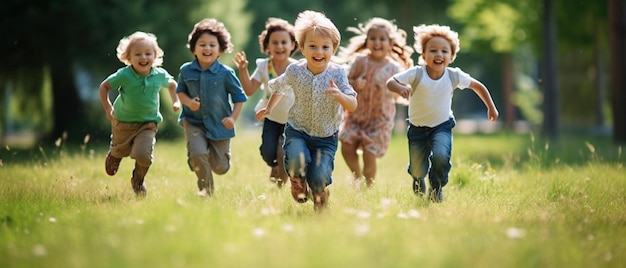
[617, 18]
[508, 86]
[551, 106]
[599, 80]
[67, 107]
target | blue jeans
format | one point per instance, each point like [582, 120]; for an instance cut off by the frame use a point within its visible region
[272, 132]
[311, 158]
[430, 150]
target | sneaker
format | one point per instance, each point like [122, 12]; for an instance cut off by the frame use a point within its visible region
[419, 187]
[299, 189]
[320, 201]
[138, 186]
[436, 195]
[111, 164]
[203, 193]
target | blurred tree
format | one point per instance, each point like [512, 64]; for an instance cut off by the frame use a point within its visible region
[617, 16]
[510, 27]
[57, 37]
[551, 101]
[501, 27]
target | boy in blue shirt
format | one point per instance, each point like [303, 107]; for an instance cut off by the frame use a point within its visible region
[206, 87]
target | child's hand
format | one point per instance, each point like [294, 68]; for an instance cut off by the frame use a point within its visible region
[333, 90]
[194, 105]
[240, 61]
[405, 92]
[228, 122]
[492, 114]
[110, 114]
[176, 106]
[260, 115]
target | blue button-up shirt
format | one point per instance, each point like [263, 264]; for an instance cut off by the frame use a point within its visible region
[216, 86]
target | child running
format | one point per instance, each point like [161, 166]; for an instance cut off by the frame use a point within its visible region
[429, 87]
[322, 92]
[278, 40]
[134, 115]
[206, 87]
[377, 52]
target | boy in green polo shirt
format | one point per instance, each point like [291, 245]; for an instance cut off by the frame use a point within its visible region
[135, 113]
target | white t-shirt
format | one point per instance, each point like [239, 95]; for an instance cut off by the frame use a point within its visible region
[430, 103]
[280, 113]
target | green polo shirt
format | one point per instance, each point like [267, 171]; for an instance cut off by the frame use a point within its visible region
[138, 99]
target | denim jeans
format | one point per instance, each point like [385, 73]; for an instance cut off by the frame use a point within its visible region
[272, 132]
[430, 150]
[311, 158]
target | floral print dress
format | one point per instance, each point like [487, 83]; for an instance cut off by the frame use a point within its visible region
[371, 124]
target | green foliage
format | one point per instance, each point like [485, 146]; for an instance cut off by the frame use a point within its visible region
[58, 208]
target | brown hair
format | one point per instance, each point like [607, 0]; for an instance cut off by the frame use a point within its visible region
[212, 27]
[276, 25]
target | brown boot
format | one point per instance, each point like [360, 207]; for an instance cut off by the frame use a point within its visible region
[320, 200]
[136, 181]
[299, 190]
[111, 164]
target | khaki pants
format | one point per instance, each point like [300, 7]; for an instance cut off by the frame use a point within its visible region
[205, 155]
[135, 140]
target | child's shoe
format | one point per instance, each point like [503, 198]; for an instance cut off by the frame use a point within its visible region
[299, 189]
[138, 186]
[205, 187]
[436, 195]
[320, 200]
[203, 192]
[111, 164]
[136, 181]
[419, 187]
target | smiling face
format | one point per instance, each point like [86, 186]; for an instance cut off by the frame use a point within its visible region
[318, 50]
[207, 50]
[280, 45]
[378, 43]
[141, 56]
[437, 54]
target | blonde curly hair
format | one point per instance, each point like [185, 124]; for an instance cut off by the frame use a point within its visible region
[423, 34]
[126, 43]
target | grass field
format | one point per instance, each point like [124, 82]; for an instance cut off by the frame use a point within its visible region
[512, 201]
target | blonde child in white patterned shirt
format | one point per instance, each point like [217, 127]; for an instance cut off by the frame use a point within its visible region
[322, 92]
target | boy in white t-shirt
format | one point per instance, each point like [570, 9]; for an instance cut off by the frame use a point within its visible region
[429, 89]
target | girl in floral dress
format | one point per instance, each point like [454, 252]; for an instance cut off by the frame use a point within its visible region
[377, 52]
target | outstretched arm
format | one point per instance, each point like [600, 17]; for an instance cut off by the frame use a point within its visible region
[274, 99]
[249, 85]
[485, 96]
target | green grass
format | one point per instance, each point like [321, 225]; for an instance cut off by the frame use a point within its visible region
[512, 201]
